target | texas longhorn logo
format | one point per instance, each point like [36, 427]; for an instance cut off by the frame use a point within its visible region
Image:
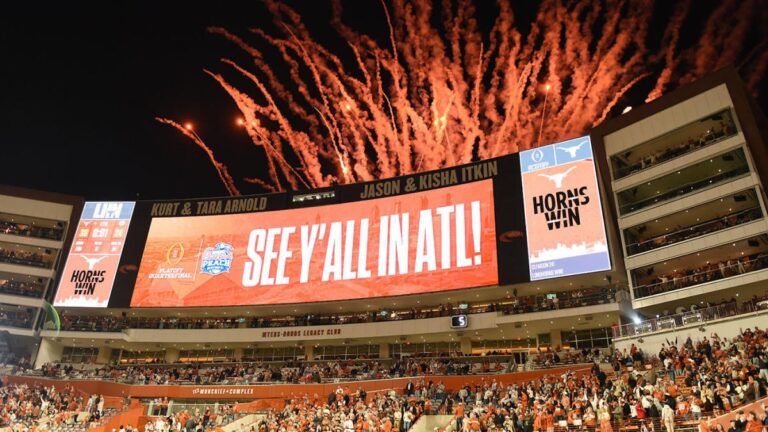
[558, 178]
[92, 261]
[572, 150]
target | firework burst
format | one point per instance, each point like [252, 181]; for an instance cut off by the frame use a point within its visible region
[439, 95]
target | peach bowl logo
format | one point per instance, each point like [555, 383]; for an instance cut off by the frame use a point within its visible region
[217, 260]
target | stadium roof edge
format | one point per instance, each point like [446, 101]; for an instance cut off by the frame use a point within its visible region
[726, 75]
[34, 194]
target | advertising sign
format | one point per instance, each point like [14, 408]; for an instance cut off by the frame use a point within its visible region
[93, 260]
[563, 215]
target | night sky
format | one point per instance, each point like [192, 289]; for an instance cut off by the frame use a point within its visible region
[81, 84]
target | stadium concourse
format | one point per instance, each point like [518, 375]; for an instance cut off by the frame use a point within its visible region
[611, 282]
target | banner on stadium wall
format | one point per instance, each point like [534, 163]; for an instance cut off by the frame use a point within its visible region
[563, 214]
[93, 260]
[435, 240]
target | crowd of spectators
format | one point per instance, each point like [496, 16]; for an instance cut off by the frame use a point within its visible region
[349, 411]
[693, 382]
[17, 317]
[245, 372]
[512, 305]
[15, 228]
[720, 373]
[700, 229]
[558, 357]
[27, 408]
[629, 202]
[26, 289]
[708, 272]
[193, 419]
[286, 372]
[22, 257]
[718, 376]
[490, 406]
[725, 128]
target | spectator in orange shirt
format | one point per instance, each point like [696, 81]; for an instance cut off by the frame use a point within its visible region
[559, 412]
[549, 421]
[386, 425]
[672, 389]
[590, 420]
[459, 412]
[704, 425]
[753, 424]
[538, 422]
[474, 422]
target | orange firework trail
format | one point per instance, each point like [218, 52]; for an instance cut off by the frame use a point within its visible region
[437, 95]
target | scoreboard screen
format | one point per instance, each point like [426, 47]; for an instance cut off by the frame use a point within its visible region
[94, 257]
[507, 220]
[459, 321]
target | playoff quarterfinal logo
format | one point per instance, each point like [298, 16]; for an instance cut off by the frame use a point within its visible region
[537, 155]
[217, 259]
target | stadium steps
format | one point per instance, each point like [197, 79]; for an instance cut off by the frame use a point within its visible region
[430, 423]
[243, 423]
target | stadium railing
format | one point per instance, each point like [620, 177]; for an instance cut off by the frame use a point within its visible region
[709, 273]
[696, 316]
[506, 306]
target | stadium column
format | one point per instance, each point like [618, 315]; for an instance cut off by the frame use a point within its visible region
[309, 351]
[555, 339]
[49, 352]
[171, 355]
[384, 351]
[238, 354]
[104, 355]
[466, 345]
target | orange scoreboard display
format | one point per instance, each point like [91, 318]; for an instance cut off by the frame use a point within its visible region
[435, 240]
[94, 257]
